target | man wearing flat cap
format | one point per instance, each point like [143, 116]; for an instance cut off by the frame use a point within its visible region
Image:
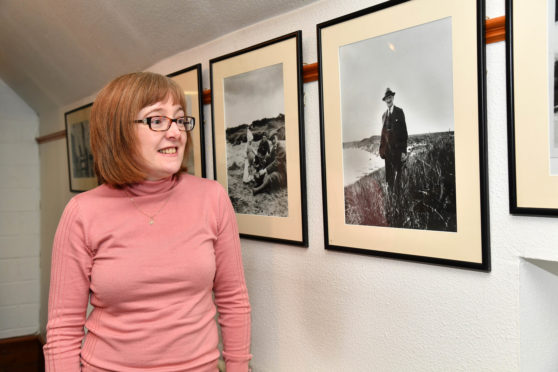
[393, 143]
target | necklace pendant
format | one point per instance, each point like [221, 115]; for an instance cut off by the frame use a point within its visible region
[151, 217]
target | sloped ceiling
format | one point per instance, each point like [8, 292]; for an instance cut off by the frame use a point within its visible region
[54, 52]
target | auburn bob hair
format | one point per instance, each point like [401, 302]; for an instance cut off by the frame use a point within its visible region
[113, 136]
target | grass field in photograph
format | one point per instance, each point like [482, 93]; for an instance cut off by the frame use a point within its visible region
[427, 199]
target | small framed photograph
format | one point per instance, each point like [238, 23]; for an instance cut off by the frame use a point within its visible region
[191, 82]
[80, 158]
[402, 109]
[258, 138]
[532, 79]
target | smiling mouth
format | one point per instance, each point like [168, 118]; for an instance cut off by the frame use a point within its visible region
[168, 150]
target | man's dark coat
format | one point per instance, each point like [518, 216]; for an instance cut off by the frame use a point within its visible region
[392, 145]
[394, 134]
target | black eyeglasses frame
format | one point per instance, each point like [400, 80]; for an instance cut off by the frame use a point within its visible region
[190, 120]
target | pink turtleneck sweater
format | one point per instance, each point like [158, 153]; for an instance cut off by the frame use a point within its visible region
[151, 286]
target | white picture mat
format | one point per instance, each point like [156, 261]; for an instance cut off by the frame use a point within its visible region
[188, 81]
[287, 228]
[552, 32]
[466, 243]
[535, 186]
[81, 183]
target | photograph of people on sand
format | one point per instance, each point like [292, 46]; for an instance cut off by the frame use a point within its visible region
[258, 138]
[398, 129]
[255, 136]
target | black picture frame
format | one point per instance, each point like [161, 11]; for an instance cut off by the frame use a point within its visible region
[466, 244]
[532, 155]
[190, 80]
[267, 77]
[81, 170]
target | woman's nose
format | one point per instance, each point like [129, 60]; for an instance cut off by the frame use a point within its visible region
[173, 131]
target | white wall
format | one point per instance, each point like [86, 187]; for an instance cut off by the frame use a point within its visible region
[317, 310]
[19, 216]
[329, 311]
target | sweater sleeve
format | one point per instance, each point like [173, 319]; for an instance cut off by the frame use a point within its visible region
[69, 293]
[231, 295]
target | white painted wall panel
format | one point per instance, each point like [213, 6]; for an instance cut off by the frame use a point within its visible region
[539, 322]
[19, 216]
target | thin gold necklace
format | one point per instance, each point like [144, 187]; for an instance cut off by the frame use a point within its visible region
[151, 216]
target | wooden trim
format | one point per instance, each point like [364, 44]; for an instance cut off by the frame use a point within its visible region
[495, 31]
[19, 339]
[310, 72]
[22, 353]
[51, 137]
[206, 97]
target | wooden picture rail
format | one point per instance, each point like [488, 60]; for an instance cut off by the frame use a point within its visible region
[51, 137]
[495, 31]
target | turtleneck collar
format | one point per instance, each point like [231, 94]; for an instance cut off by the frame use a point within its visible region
[152, 187]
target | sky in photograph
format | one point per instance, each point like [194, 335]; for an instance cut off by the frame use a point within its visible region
[254, 95]
[415, 63]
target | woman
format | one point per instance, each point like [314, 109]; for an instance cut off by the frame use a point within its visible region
[249, 159]
[148, 247]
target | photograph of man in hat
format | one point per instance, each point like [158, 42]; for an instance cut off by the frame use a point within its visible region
[395, 175]
[393, 143]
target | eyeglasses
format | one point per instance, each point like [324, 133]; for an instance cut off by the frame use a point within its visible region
[163, 123]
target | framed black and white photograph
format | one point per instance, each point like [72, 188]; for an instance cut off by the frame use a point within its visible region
[258, 138]
[403, 111]
[532, 80]
[80, 158]
[190, 81]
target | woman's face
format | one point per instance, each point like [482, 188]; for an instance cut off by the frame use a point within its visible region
[161, 152]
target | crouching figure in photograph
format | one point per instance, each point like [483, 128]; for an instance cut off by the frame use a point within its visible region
[155, 250]
[274, 174]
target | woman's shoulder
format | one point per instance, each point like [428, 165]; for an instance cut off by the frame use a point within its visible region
[201, 195]
[96, 197]
[100, 191]
[199, 185]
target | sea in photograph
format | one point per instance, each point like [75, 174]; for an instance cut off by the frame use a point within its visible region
[358, 163]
